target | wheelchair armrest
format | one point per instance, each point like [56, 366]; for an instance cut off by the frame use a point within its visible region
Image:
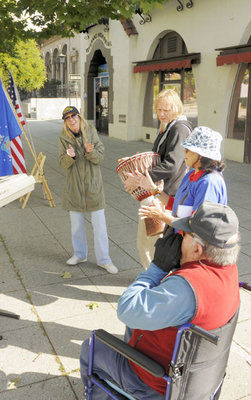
[245, 285]
[205, 334]
[130, 353]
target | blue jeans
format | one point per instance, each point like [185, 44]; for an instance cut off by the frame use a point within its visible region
[79, 242]
[108, 364]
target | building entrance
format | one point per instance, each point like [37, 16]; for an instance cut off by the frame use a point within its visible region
[240, 116]
[101, 100]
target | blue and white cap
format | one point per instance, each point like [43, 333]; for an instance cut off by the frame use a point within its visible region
[205, 142]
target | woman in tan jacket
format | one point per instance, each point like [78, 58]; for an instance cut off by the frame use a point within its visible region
[80, 154]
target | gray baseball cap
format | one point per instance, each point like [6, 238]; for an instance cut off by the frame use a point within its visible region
[214, 223]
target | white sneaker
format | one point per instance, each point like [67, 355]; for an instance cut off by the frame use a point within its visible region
[75, 260]
[109, 267]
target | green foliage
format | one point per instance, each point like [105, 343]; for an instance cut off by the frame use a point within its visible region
[26, 65]
[12, 26]
[53, 17]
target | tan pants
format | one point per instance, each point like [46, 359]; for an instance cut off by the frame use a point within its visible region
[145, 244]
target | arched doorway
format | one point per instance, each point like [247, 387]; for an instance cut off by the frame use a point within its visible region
[48, 65]
[98, 78]
[99, 86]
[55, 65]
[172, 49]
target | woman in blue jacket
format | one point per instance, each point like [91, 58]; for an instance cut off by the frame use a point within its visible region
[203, 182]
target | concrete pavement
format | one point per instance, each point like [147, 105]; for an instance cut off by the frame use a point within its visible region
[39, 354]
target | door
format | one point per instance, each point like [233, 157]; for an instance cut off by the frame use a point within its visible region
[247, 146]
[103, 110]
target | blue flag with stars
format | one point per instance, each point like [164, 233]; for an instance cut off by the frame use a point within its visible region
[9, 129]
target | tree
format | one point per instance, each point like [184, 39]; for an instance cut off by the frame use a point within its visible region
[63, 17]
[26, 65]
[13, 26]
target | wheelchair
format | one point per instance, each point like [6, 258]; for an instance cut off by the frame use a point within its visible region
[196, 370]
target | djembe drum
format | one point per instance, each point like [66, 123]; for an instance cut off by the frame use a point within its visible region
[141, 162]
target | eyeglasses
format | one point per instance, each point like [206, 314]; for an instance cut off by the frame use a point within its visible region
[197, 239]
[71, 116]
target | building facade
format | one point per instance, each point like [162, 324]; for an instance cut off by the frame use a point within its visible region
[201, 49]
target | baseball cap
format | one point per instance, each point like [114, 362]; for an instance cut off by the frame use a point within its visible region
[69, 109]
[216, 224]
[205, 142]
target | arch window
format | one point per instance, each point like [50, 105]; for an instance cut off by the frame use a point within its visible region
[237, 126]
[239, 119]
[173, 70]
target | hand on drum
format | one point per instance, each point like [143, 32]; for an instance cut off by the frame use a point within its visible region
[120, 160]
[146, 182]
[130, 184]
[156, 211]
[137, 179]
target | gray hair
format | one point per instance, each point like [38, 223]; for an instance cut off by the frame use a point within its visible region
[227, 256]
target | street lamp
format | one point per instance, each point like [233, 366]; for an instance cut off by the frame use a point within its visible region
[61, 58]
[61, 61]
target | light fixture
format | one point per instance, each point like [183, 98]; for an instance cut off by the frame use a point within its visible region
[61, 58]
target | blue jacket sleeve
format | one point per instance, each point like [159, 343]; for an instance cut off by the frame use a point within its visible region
[150, 304]
[211, 188]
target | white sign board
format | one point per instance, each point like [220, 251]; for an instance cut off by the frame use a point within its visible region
[74, 77]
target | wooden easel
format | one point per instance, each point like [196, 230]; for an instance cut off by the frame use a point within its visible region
[38, 168]
[38, 173]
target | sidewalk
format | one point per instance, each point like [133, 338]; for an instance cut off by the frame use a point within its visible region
[39, 354]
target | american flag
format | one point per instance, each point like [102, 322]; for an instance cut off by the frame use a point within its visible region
[17, 153]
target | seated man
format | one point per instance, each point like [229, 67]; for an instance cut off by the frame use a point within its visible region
[204, 291]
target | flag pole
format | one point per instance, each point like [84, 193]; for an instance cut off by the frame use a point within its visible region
[41, 172]
[26, 122]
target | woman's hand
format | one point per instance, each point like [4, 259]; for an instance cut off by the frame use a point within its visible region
[146, 182]
[88, 147]
[130, 184]
[120, 160]
[70, 151]
[156, 211]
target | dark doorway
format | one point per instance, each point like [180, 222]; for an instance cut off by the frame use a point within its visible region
[103, 105]
[98, 89]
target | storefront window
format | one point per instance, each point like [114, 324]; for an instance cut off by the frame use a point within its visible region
[237, 128]
[156, 86]
[189, 98]
[184, 85]
[173, 81]
[103, 70]
[105, 81]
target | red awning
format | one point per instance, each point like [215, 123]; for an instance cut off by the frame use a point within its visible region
[234, 58]
[234, 55]
[163, 66]
[168, 64]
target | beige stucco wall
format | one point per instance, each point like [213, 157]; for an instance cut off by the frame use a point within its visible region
[204, 27]
[233, 149]
[42, 108]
